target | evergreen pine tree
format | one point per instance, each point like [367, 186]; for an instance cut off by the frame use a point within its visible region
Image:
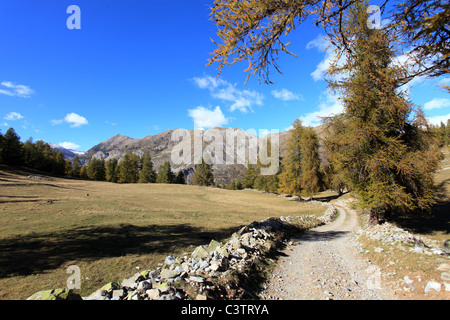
[68, 168]
[90, 169]
[100, 170]
[165, 174]
[238, 184]
[310, 163]
[28, 150]
[249, 177]
[11, 149]
[290, 179]
[180, 178]
[76, 167]
[260, 183]
[111, 171]
[267, 183]
[38, 155]
[59, 163]
[203, 175]
[129, 168]
[147, 174]
[47, 157]
[83, 172]
[230, 186]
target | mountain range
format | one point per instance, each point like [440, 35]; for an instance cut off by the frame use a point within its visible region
[164, 145]
[68, 153]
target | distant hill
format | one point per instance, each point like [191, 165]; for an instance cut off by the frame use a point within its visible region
[68, 153]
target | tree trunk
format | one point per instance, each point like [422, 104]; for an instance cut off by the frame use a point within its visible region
[373, 218]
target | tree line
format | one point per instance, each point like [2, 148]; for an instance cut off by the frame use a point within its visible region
[41, 156]
[132, 169]
[442, 133]
[35, 155]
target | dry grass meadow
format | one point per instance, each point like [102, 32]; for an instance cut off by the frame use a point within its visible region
[109, 230]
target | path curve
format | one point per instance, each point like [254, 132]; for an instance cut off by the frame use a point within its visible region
[323, 264]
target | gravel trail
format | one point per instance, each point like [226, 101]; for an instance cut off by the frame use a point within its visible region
[323, 264]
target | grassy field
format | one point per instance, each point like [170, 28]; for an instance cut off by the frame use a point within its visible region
[109, 230]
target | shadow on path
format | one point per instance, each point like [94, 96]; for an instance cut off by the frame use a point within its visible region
[313, 235]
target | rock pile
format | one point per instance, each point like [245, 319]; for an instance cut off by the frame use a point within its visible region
[213, 271]
[40, 178]
[310, 221]
[390, 234]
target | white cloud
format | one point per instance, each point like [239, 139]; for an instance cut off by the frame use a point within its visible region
[56, 122]
[445, 81]
[14, 90]
[322, 44]
[286, 95]
[319, 42]
[436, 120]
[437, 103]
[209, 82]
[13, 116]
[75, 120]
[69, 145]
[242, 100]
[205, 118]
[6, 92]
[330, 105]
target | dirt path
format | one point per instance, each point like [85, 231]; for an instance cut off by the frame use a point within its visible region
[324, 264]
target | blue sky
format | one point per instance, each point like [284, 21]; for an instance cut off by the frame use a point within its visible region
[138, 68]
